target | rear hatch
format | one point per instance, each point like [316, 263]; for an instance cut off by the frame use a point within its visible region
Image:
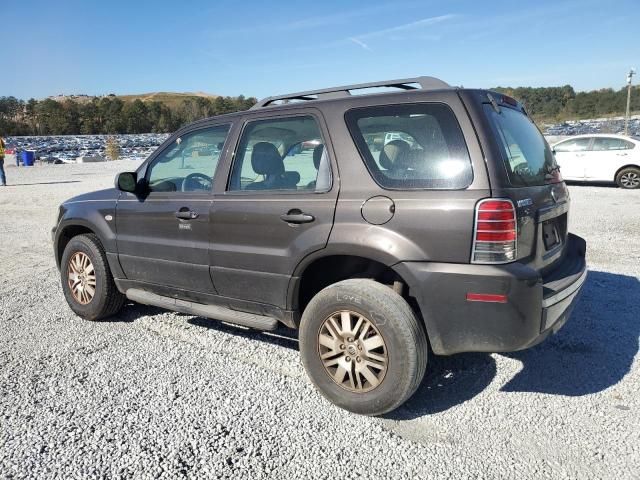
[525, 171]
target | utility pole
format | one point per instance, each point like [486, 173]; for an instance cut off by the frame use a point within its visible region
[626, 118]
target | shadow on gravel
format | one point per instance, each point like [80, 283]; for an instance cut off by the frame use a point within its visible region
[449, 381]
[41, 183]
[591, 184]
[594, 350]
[591, 353]
[132, 312]
[282, 337]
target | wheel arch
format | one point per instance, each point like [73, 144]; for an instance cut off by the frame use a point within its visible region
[630, 165]
[87, 222]
[318, 272]
[64, 235]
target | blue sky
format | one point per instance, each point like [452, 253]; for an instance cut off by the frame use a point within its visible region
[232, 47]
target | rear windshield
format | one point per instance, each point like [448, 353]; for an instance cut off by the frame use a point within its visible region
[412, 146]
[528, 158]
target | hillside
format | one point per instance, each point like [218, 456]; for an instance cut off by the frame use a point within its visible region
[171, 99]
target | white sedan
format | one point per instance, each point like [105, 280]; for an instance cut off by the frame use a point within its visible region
[600, 158]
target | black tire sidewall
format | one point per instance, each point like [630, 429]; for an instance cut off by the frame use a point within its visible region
[397, 384]
[92, 310]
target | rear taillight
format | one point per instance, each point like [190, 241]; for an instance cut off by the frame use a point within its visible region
[495, 232]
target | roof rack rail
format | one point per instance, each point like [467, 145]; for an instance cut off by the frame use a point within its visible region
[417, 83]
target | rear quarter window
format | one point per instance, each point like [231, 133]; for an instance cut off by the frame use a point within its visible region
[528, 158]
[418, 146]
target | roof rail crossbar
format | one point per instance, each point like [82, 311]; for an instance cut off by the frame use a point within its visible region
[417, 83]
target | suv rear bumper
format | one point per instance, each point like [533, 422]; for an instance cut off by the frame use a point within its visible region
[536, 305]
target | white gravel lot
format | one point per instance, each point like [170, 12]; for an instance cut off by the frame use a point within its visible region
[164, 395]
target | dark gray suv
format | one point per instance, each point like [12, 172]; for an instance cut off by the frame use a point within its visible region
[375, 223]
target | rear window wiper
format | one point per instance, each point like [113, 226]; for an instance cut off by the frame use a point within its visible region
[550, 170]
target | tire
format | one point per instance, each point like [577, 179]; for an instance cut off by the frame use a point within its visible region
[628, 178]
[391, 318]
[106, 299]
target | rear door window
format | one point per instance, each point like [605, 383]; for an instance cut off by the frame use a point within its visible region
[418, 146]
[528, 159]
[281, 154]
[608, 143]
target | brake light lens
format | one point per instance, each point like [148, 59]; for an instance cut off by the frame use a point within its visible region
[495, 232]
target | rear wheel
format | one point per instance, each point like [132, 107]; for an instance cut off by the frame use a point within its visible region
[87, 281]
[362, 346]
[628, 178]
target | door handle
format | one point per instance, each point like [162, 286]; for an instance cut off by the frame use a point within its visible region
[579, 154]
[296, 216]
[623, 154]
[186, 214]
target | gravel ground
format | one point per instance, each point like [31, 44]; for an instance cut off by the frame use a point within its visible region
[164, 395]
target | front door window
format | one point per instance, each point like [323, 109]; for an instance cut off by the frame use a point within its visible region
[575, 145]
[189, 164]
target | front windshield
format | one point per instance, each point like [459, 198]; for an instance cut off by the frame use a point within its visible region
[528, 158]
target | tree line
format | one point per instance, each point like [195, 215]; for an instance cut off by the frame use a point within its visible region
[563, 103]
[109, 115]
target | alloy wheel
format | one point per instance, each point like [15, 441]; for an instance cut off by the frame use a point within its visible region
[630, 180]
[352, 351]
[81, 278]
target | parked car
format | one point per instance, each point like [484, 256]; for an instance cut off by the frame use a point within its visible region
[459, 242]
[600, 158]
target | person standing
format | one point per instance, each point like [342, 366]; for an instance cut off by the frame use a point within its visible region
[3, 177]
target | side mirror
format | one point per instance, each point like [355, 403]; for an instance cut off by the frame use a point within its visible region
[126, 182]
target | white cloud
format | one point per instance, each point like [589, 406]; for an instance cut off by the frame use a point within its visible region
[361, 43]
[417, 25]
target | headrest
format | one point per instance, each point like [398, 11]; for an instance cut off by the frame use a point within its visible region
[317, 155]
[292, 178]
[266, 160]
[395, 155]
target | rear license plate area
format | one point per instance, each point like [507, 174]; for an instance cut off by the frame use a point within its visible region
[550, 234]
[554, 232]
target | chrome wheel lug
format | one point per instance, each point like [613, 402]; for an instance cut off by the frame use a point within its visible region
[348, 359]
[342, 347]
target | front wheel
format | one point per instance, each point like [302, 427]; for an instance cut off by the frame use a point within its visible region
[87, 281]
[362, 346]
[628, 178]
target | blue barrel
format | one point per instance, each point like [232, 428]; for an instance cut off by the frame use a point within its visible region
[27, 157]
